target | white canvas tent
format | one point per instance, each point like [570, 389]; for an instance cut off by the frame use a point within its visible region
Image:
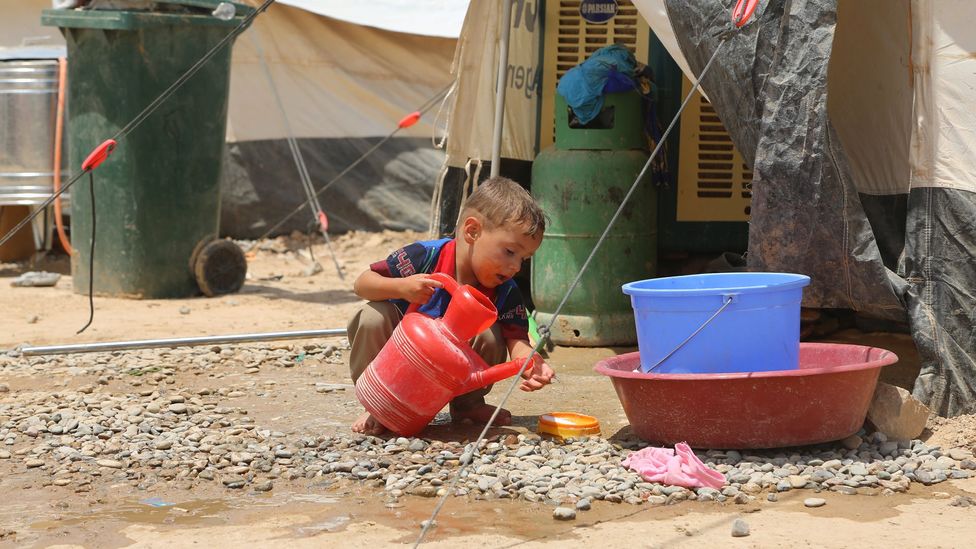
[344, 86]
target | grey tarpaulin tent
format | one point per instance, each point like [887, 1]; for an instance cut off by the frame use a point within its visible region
[856, 117]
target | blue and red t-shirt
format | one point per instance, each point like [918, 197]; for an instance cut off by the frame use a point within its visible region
[438, 256]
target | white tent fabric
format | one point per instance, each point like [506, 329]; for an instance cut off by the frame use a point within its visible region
[944, 73]
[21, 30]
[870, 92]
[426, 17]
[475, 67]
[656, 16]
[335, 79]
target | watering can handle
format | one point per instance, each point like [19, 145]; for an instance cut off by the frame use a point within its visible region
[447, 280]
[494, 374]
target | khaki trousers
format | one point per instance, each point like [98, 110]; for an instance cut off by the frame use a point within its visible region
[372, 326]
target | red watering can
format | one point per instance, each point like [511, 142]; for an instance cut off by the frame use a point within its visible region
[427, 362]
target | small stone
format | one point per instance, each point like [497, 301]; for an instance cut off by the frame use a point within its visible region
[564, 513]
[265, 486]
[852, 442]
[62, 482]
[814, 502]
[925, 477]
[110, 463]
[859, 469]
[4, 388]
[4, 454]
[234, 481]
[184, 310]
[796, 481]
[177, 408]
[740, 528]
[583, 504]
[962, 501]
[772, 498]
[888, 448]
[163, 444]
[957, 454]
[424, 491]
[33, 463]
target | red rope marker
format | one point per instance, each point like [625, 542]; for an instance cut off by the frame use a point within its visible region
[409, 120]
[323, 221]
[98, 155]
[743, 11]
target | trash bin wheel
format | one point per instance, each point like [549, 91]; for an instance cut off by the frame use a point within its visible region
[219, 267]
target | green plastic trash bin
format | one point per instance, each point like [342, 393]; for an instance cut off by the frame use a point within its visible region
[158, 195]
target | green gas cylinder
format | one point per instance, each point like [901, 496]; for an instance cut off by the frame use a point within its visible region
[580, 182]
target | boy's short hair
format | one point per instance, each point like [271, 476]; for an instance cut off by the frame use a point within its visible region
[499, 201]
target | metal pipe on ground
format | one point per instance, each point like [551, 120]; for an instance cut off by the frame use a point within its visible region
[176, 342]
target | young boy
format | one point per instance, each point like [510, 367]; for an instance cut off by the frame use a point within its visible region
[500, 227]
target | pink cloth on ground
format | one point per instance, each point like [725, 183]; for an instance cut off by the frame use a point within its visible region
[678, 467]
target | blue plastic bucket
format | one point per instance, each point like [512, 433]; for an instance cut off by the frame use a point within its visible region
[758, 331]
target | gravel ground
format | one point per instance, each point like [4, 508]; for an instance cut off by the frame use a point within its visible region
[158, 432]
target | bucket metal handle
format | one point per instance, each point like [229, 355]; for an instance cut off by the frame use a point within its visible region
[729, 298]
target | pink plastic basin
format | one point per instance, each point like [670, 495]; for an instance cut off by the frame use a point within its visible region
[825, 399]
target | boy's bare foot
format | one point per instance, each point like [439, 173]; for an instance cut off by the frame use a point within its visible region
[368, 425]
[480, 414]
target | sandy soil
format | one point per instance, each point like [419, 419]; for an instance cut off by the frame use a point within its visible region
[282, 293]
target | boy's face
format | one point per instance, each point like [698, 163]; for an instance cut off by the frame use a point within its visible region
[497, 254]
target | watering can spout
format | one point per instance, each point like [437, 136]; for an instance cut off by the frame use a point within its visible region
[490, 375]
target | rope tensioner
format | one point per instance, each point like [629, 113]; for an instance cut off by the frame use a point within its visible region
[98, 155]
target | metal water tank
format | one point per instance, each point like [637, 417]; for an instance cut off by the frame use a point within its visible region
[28, 107]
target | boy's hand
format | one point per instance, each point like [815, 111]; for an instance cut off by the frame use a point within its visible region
[536, 376]
[418, 288]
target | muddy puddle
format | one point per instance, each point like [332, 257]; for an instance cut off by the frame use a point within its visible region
[326, 515]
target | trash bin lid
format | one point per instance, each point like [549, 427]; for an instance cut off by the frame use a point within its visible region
[242, 9]
[133, 19]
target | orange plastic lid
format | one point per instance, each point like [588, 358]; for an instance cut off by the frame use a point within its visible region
[568, 424]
